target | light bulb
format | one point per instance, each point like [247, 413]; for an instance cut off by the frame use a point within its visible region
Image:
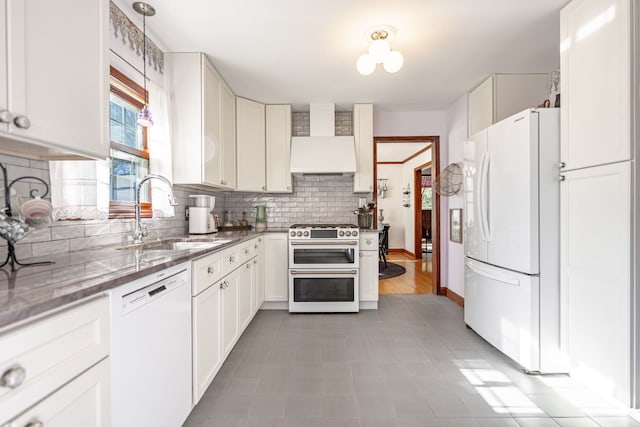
[144, 118]
[393, 62]
[366, 65]
[379, 50]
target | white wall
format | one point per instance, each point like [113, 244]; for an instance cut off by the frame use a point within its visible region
[456, 135]
[392, 204]
[420, 123]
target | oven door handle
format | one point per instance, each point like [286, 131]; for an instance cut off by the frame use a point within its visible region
[324, 272]
[324, 243]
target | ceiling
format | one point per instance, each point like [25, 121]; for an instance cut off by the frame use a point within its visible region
[394, 151]
[301, 52]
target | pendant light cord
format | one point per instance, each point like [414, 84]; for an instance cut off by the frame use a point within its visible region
[144, 58]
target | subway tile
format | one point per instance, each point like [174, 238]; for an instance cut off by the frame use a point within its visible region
[68, 232]
[51, 247]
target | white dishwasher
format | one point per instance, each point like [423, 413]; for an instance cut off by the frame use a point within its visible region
[151, 350]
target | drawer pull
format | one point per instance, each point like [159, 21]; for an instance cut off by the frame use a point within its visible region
[22, 122]
[5, 116]
[13, 377]
[211, 270]
[248, 265]
[222, 285]
[255, 261]
[35, 423]
[232, 259]
[368, 241]
[246, 251]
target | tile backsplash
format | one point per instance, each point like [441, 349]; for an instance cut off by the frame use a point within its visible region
[316, 199]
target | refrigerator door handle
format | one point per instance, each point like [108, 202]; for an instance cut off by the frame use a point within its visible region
[484, 197]
[492, 276]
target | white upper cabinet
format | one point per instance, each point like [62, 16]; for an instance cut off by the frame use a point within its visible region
[278, 140]
[203, 123]
[502, 95]
[363, 137]
[596, 82]
[54, 72]
[250, 134]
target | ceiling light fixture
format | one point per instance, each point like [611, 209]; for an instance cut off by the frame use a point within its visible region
[144, 9]
[380, 52]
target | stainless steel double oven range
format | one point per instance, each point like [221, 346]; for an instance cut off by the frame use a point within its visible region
[323, 268]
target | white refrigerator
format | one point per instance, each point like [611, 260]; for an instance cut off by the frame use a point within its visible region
[511, 223]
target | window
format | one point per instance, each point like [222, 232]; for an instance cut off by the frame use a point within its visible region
[129, 159]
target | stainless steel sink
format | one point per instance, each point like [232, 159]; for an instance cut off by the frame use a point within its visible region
[177, 244]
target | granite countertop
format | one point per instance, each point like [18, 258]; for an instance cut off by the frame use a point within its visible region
[31, 291]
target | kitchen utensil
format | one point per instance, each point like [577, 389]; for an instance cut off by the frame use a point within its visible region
[36, 211]
[228, 222]
[244, 222]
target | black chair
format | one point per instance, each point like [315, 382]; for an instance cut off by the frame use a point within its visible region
[383, 244]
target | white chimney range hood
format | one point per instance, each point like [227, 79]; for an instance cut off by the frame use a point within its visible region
[323, 153]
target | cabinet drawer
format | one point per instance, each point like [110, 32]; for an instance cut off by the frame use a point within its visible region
[82, 402]
[50, 352]
[246, 251]
[230, 259]
[206, 271]
[369, 241]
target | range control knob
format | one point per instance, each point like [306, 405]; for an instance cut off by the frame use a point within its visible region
[354, 234]
[299, 233]
[348, 233]
[306, 234]
[293, 234]
[341, 233]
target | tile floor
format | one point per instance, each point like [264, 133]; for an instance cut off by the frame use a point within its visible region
[411, 363]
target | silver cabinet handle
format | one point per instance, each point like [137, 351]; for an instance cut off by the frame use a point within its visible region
[13, 377]
[264, 187]
[562, 165]
[22, 122]
[210, 269]
[226, 284]
[232, 259]
[562, 178]
[361, 254]
[288, 187]
[5, 116]
[35, 423]
[248, 265]
[222, 285]
[246, 251]
[255, 261]
[368, 241]
[223, 182]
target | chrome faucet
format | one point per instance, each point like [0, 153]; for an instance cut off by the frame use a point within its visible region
[141, 229]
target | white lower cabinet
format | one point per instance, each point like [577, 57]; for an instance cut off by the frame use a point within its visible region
[368, 270]
[245, 294]
[223, 306]
[276, 285]
[82, 402]
[42, 356]
[207, 347]
[229, 312]
[258, 273]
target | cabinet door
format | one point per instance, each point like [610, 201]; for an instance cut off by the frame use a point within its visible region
[207, 349]
[596, 93]
[276, 286]
[278, 146]
[228, 118]
[58, 73]
[4, 103]
[82, 402]
[363, 137]
[229, 312]
[245, 295]
[251, 146]
[211, 144]
[595, 270]
[481, 107]
[258, 272]
[368, 275]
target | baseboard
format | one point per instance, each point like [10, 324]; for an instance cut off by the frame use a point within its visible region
[402, 251]
[452, 296]
[368, 305]
[275, 305]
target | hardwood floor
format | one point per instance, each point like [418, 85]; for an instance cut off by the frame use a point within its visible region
[417, 279]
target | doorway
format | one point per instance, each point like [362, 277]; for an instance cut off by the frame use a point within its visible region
[397, 191]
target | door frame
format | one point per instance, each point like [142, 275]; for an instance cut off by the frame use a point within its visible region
[435, 168]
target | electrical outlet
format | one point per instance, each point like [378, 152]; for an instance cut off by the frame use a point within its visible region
[362, 202]
[186, 213]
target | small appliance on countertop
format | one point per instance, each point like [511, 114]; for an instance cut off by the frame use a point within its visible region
[201, 220]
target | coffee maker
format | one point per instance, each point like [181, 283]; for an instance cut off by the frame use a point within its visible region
[201, 219]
